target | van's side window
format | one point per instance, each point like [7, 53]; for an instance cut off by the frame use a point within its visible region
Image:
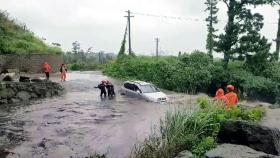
[129, 86]
[126, 85]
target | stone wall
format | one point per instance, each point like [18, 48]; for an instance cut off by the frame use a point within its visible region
[17, 92]
[31, 63]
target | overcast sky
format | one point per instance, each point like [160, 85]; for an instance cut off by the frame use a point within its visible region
[100, 23]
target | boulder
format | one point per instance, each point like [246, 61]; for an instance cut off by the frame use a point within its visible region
[184, 154]
[255, 136]
[33, 95]
[48, 94]
[5, 153]
[3, 101]
[7, 78]
[14, 101]
[36, 80]
[23, 95]
[24, 79]
[234, 151]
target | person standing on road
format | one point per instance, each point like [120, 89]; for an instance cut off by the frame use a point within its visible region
[63, 71]
[231, 96]
[102, 87]
[47, 69]
[110, 88]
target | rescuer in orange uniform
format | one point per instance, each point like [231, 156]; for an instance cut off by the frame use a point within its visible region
[231, 97]
[46, 69]
[220, 96]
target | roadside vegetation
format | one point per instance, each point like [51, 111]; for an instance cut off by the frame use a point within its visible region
[195, 131]
[80, 60]
[15, 38]
[197, 72]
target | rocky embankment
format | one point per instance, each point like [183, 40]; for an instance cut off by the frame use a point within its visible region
[16, 92]
[255, 136]
[241, 139]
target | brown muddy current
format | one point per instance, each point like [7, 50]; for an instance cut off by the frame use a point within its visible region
[80, 122]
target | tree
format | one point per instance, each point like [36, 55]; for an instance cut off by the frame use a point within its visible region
[76, 47]
[89, 50]
[122, 49]
[211, 19]
[242, 29]
[56, 44]
[179, 54]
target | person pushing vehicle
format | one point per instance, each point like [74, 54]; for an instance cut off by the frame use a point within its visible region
[102, 87]
[110, 89]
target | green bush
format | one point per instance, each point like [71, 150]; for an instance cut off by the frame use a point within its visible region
[196, 59]
[272, 71]
[206, 144]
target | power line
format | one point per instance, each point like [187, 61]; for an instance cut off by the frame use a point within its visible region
[180, 18]
[168, 17]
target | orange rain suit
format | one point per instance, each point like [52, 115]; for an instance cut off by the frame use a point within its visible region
[232, 99]
[46, 67]
[220, 95]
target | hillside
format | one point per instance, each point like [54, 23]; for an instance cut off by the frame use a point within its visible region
[15, 38]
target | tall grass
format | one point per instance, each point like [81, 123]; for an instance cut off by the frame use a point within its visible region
[195, 131]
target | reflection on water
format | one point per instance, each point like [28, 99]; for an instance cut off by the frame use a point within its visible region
[78, 123]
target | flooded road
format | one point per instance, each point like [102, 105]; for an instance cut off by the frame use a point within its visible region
[80, 122]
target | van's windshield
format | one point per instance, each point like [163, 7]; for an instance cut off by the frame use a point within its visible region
[149, 89]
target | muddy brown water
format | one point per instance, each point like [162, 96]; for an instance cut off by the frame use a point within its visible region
[80, 122]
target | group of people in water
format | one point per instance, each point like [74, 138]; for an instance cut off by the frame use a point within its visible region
[106, 84]
[230, 99]
[47, 69]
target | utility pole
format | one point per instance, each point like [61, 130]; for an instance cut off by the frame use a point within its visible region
[157, 41]
[129, 31]
[277, 40]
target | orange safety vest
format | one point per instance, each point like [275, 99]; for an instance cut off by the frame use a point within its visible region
[46, 67]
[220, 96]
[232, 99]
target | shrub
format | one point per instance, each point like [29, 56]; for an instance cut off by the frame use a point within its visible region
[206, 144]
[254, 87]
[272, 71]
[196, 59]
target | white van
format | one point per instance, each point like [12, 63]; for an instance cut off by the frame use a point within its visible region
[143, 90]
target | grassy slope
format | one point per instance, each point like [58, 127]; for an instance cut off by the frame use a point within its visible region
[16, 39]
